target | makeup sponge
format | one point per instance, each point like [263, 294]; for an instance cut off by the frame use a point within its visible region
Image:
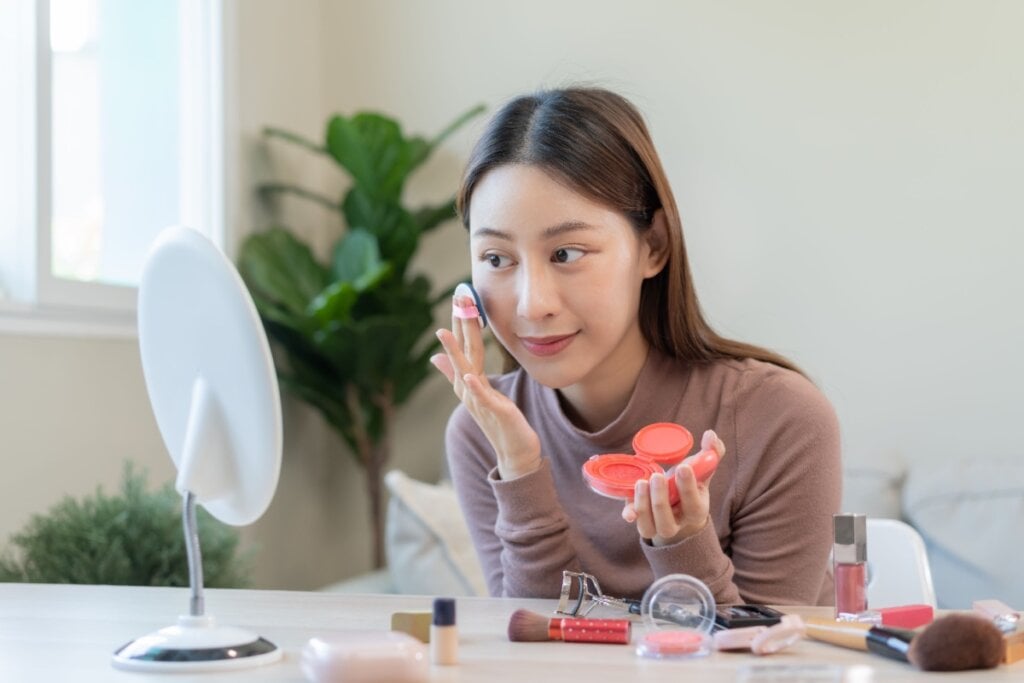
[957, 642]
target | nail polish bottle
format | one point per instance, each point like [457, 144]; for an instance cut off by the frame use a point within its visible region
[444, 636]
[850, 561]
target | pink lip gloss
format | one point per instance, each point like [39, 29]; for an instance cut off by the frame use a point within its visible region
[850, 558]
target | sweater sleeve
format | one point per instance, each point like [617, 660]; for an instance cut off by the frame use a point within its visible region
[788, 487]
[519, 529]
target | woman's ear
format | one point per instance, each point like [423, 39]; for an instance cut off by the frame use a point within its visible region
[657, 241]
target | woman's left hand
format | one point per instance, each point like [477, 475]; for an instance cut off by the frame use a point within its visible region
[662, 523]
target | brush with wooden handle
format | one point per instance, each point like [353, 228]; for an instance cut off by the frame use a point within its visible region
[956, 642]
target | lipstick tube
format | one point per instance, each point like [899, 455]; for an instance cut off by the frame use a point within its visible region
[850, 557]
[591, 630]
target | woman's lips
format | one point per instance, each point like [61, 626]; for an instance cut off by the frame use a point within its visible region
[546, 346]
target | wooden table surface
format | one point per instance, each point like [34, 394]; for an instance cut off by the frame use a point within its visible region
[67, 633]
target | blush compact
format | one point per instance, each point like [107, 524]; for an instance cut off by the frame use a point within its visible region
[678, 612]
[656, 446]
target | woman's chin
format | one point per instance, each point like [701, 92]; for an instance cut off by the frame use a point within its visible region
[550, 374]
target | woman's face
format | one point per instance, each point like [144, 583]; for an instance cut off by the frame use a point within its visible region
[559, 276]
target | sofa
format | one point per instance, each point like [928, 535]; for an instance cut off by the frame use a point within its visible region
[970, 514]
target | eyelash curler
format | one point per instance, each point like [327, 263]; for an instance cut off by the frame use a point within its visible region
[587, 596]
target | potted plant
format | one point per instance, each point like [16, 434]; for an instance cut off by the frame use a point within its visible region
[353, 332]
[132, 538]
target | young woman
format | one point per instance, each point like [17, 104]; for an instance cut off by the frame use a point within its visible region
[578, 258]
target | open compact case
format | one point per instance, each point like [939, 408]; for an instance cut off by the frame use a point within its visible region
[679, 613]
[658, 445]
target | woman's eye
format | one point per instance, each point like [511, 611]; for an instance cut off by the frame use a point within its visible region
[566, 255]
[496, 260]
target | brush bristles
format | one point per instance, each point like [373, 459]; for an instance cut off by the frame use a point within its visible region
[957, 642]
[527, 626]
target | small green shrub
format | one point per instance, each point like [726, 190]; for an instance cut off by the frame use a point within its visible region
[134, 538]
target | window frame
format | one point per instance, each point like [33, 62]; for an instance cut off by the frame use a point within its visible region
[37, 301]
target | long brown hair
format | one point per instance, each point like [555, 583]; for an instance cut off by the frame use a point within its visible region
[597, 142]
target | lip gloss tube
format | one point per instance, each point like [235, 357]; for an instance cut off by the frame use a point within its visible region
[850, 558]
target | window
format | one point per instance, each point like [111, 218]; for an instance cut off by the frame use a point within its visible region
[110, 130]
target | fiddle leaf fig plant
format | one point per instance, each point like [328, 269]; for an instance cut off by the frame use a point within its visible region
[352, 332]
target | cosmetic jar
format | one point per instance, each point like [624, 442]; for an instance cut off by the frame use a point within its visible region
[656, 446]
[678, 611]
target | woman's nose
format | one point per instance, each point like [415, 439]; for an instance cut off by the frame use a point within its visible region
[538, 295]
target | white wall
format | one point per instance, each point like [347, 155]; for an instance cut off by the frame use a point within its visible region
[848, 174]
[848, 177]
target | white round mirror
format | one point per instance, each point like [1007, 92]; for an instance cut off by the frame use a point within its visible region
[212, 385]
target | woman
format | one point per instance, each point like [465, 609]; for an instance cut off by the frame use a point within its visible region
[578, 258]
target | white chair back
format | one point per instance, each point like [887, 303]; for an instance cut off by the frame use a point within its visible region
[898, 569]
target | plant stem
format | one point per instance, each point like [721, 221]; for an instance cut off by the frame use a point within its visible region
[373, 456]
[285, 188]
[456, 124]
[271, 132]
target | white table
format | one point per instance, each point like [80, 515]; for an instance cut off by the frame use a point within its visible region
[67, 633]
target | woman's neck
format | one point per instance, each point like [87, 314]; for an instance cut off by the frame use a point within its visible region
[600, 398]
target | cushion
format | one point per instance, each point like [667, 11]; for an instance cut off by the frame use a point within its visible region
[969, 512]
[428, 547]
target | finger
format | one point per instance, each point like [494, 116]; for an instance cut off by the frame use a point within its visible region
[451, 347]
[642, 508]
[468, 330]
[710, 441]
[485, 396]
[629, 513]
[457, 323]
[689, 490]
[473, 343]
[442, 362]
[455, 359]
[661, 509]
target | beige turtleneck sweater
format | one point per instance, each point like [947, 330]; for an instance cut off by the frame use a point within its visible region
[772, 496]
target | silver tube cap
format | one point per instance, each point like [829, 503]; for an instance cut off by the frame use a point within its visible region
[850, 532]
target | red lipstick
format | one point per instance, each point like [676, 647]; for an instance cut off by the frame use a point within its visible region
[546, 346]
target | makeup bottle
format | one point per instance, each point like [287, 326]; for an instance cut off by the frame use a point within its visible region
[444, 636]
[850, 562]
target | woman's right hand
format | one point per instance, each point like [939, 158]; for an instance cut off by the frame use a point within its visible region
[515, 443]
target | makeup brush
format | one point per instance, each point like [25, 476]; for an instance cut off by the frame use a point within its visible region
[527, 626]
[956, 642]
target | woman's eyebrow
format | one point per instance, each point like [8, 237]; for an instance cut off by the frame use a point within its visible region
[553, 231]
[492, 232]
[567, 226]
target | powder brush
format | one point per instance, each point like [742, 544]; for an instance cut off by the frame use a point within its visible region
[956, 642]
[527, 626]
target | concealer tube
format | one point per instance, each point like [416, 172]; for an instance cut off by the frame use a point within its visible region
[444, 636]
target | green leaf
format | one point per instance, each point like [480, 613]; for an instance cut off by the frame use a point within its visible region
[429, 217]
[355, 254]
[395, 228]
[281, 269]
[371, 148]
[345, 145]
[334, 303]
[361, 210]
